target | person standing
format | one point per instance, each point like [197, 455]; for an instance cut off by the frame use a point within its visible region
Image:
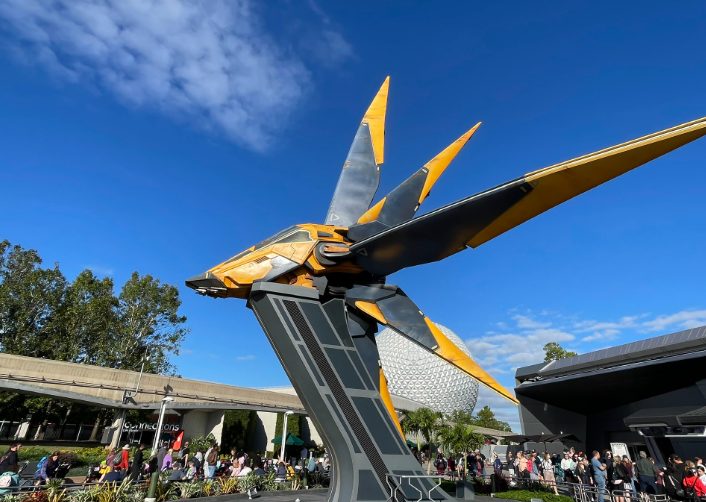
[211, 460]
[599, 474]
[10, 460]
[137, 462]
[125, 458]
[674, 476]
[646, 474]
[548, 472]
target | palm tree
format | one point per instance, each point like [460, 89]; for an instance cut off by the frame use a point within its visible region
[410, 426]
[426, 422]
[460, 437]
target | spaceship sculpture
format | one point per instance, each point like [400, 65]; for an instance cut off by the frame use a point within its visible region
[320, 290]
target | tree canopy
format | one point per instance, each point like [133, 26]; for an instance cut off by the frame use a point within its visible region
[42, 314]
[553, 352]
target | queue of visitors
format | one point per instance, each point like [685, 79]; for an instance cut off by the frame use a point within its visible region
[680, 480]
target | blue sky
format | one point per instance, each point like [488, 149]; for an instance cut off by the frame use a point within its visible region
[165, 137]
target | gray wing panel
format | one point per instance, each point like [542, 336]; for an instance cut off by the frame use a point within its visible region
[438, 234]
[400, 205]
[358, 182]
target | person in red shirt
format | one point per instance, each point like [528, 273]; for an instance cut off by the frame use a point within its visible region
[693, 484]
[124, 458]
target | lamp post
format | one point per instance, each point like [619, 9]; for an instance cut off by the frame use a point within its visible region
[160, 421]
[284, 433]
[130, 395]
[154, 479]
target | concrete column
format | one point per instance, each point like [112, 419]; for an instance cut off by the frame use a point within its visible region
[117, 427]
[269, 423]
[22, 431]
[313, 433]
[214, 424]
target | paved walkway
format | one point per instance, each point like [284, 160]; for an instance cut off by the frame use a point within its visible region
[316, 495]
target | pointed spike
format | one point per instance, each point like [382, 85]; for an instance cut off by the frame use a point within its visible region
[402, 203]
[447, 350]
[438, 164]
[375, 118]
[558, 183]
[360, 175]
[372, 213]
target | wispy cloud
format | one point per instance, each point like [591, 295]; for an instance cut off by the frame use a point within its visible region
[685, 319]
[211, 63]
[518, 341]
[100, 270]
[246, 357]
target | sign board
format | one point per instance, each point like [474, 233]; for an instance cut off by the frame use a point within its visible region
[151, 427]
[619, 449]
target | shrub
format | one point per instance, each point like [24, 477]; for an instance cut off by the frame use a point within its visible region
[227, 485]
[190, 490]
[527, 495]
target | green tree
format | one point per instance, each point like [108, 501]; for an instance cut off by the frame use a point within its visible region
[425, 422]
[460, 438]
[30, 300]
[43, 315]
[148, 322]
[486, 418]
[553, 352]
[89, 320]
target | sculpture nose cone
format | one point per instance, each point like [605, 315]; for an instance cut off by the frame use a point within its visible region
[207, 284]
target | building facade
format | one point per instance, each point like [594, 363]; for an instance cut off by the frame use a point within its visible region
[649, 395]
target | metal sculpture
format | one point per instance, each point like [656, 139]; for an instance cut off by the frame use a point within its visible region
[320, 290]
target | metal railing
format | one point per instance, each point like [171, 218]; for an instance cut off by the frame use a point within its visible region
[578, 491]
[395, 482]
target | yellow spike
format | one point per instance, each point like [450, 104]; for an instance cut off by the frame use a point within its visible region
[449, 351]
[387, 401]
[372, 213]
[375, 118]
[372, 310]
[561, 182]
[438, 164]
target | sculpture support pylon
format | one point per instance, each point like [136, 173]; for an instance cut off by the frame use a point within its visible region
[332, 373]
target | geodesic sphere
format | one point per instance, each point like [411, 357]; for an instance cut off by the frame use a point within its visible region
[417, 374]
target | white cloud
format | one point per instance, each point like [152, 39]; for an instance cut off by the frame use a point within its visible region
[519, 340]
[684, 319]
[527, 322]
[100, 270]
[246, 357]
[211, 63]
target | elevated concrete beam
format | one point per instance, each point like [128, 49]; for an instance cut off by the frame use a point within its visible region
[106, 387]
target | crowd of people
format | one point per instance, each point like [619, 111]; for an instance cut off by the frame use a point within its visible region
[177, 465]
[619, 476]
[187, 465]
[679, 479]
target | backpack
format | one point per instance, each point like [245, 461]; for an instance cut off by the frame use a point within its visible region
[42, 462]
[689, 490]
[672, 487]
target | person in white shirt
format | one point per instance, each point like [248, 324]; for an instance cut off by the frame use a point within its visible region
[569, 467]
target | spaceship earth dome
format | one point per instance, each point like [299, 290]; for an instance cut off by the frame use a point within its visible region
[415, 373]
